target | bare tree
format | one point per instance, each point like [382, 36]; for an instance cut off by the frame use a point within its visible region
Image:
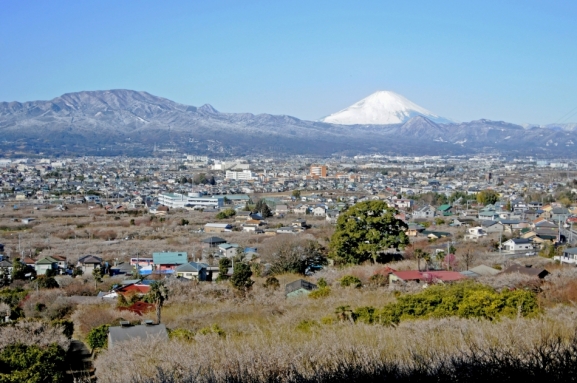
[292, 254]
[468, 253]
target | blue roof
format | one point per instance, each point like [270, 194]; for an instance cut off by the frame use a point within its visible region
[170, 258]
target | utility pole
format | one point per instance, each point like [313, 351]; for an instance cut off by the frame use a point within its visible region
[501, 239]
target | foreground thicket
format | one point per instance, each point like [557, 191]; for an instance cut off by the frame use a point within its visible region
[450, 349]
[466, 300]
[33, 351]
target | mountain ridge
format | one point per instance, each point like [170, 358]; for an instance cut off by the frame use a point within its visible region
[125, 122]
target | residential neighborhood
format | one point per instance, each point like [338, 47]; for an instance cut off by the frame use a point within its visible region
[122, 236]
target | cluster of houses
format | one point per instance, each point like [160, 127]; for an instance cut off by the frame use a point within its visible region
[169, 263]
[249, 222]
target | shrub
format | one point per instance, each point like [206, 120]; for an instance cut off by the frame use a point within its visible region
[47, 304]
[87, 317]
[350, 280]
[378, 280]
[98, 337]
[214, 329]
[364, 314]
[322, 283]
[467, 300]
[272, 283]
[181, 334]
[32, 333]
[322, 292]
[13, 298]
[47, 282]
[226, 214]
[33, 364]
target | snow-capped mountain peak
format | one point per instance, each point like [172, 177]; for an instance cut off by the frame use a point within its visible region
[381, 108]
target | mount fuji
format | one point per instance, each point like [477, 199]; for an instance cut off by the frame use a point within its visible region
[130, 123]
[382, 108]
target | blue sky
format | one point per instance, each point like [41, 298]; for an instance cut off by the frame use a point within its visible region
[502, 60]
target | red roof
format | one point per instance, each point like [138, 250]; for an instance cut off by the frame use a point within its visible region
[29, 261]
[414, 275]
[142, 289]
[409, 275]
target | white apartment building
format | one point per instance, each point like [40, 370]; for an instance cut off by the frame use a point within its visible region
[176, 200]
[245, 175]
[192, 158]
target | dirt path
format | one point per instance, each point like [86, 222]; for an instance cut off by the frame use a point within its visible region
[80, 360]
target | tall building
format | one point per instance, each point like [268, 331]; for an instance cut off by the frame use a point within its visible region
[318, 170]
[244, 175]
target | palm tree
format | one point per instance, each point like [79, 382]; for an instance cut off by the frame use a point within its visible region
[419, 253]
[158, 294]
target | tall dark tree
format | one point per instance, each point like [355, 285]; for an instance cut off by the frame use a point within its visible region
[262, 208]
[240, 278]
[223, 265]
[366, 229]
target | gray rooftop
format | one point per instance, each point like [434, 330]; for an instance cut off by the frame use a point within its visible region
[120, 333]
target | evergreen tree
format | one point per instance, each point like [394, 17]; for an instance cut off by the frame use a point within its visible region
[240, 278]
[364, 230]
[223, 265]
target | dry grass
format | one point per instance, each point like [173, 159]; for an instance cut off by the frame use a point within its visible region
[195, 306]
[88, 316]
[344, 352]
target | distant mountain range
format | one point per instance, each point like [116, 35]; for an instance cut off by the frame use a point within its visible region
[125, 122]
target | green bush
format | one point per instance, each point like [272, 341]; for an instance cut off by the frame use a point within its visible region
[350, 280]
[98, 337]
[322, 292]
[181, 334]
[45, 282]
[32, 364]
[272, 283]
[13, 298]
[364, 314]
[322, 283]
[466, 300]
[226, 214]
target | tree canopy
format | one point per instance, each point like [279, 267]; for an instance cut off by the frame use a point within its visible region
[289, 254]
[262, 208]
[240, 278]
[487, 197]
[366, 229]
